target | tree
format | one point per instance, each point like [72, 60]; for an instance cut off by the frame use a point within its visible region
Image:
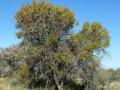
[54, 54]
[44, 26]
[87, 46]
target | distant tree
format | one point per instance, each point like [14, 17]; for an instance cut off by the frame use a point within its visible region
[10, 57]
[113, 75]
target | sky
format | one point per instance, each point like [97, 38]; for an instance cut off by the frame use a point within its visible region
[107, 12]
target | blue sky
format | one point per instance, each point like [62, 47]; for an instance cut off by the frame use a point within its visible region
[107, 12]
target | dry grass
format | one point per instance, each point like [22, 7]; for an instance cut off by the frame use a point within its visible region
[113, 86]
[5, 84]
[9, 84]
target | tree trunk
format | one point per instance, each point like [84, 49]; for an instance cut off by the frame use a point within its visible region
[59, 85]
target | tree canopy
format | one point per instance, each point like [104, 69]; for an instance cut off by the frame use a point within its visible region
[57, 53]
[51, 54]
